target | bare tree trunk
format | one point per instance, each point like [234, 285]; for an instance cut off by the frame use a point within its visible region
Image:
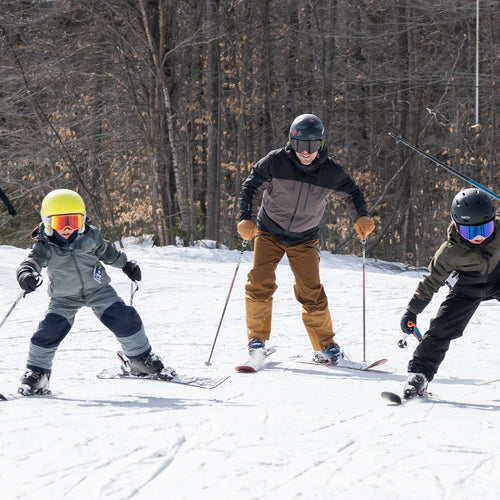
[157, 51]
[213, 104]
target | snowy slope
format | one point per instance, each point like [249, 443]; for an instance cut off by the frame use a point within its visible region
[292, 431]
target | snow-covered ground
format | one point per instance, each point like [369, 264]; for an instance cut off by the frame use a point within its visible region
[291, 431]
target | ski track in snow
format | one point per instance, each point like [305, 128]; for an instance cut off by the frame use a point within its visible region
[290, 431]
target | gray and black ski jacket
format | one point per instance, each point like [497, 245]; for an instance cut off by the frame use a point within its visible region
[75, 270]
[294, 196]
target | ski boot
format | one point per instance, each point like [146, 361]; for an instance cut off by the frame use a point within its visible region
[255, 344]
[33, 382]
[147, 364]
[416, 385]
[331, 353]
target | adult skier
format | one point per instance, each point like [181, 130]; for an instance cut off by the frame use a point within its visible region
[73, 250]
[292, 185]
[469, 262]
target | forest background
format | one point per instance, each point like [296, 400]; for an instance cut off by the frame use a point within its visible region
[155, 110]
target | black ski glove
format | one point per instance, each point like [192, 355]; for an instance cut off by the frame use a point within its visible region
[132, 270]
[408, 316]
[27, 280]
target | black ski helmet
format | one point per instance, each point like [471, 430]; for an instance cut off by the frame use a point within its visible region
[472, 207]
[307, 128]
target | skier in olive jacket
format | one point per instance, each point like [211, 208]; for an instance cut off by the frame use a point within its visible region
[469, 262]
[294, 184]
[72, 251]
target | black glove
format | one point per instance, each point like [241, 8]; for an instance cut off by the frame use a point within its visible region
[132, 270]
[27, 280]
[408, 316]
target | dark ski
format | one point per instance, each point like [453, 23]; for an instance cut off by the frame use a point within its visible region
[392, 397]
[396, 399]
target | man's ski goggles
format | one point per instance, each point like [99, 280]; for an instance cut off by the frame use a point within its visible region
[308, 146]
[484, 230]
[61, 222]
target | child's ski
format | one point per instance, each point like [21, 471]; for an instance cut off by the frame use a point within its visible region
[192, 380]
[392, 397]
[485, 382]
[166, 375]
[256, 361]
[396, 399]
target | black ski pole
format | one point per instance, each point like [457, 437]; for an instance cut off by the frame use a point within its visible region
[398, 139]
[39, 281]
[245, 243]
[19, 297]
[134, 287]
[363, 247]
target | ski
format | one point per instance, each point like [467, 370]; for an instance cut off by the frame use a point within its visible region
[18, 395]
[351, 365]
[166, 375]
[392, 397]
[192, 380]
[396, 399]
[485, 382]
[256, 361]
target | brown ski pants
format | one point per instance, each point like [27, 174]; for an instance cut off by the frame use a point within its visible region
[261, 285]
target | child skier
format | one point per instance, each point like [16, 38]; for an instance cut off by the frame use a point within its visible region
[72, 251]
[469, 262]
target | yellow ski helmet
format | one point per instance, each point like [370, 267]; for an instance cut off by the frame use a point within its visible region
[62, 202]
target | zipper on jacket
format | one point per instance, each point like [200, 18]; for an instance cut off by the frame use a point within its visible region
[78, 272]
[296, 204]
[307, 196]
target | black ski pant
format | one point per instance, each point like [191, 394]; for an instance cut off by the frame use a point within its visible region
[452, 317]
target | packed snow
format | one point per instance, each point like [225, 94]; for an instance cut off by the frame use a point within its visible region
[290, 431]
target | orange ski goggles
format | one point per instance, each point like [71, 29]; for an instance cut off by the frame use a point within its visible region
[61, 222]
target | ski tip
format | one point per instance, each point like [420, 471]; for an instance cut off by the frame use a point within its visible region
[217, 383]
[2, 398]
[245, 369]
[377, 363]
[392, 397]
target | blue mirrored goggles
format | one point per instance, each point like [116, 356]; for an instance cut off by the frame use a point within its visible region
[308, 146]
[470, 232]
